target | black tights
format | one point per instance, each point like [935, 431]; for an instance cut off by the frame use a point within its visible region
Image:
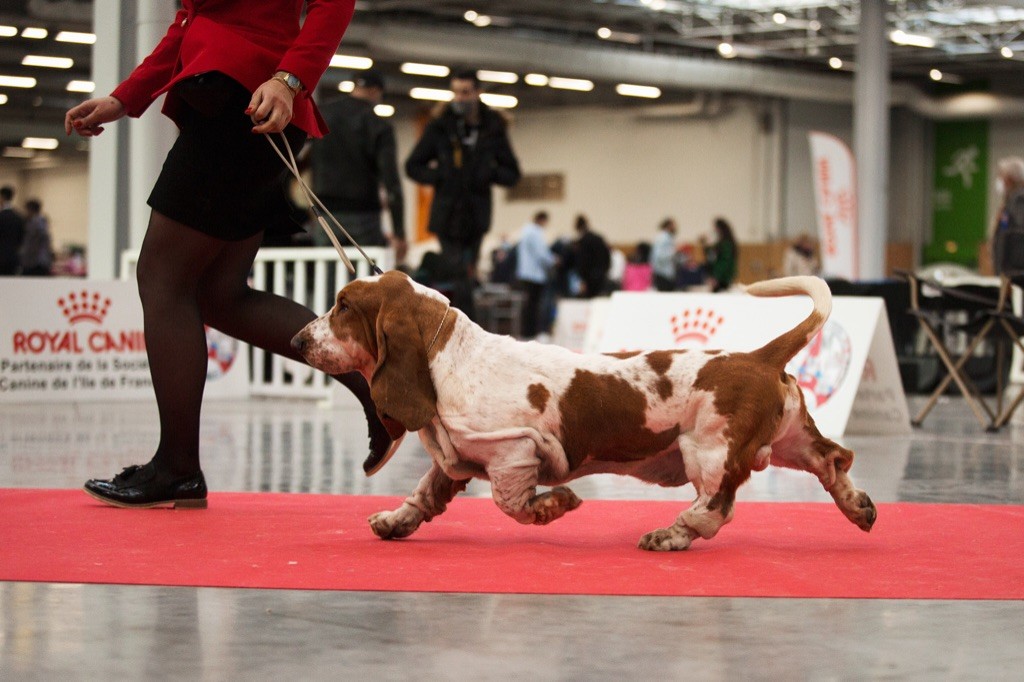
[187, 278]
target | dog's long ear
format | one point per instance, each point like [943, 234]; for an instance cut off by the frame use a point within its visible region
[401, 386]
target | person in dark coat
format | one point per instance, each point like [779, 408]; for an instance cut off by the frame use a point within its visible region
[462, 153]
[12, 231]
[592, 259]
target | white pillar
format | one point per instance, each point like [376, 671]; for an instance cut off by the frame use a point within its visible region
[871, 138]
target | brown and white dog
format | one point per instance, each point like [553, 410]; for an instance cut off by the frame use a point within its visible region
[526, 414]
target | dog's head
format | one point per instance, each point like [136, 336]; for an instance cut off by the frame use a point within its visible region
[383, 327]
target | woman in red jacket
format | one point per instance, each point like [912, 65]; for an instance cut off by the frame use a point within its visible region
[232, 69]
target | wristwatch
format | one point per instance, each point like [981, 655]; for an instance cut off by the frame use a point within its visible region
[290, 80]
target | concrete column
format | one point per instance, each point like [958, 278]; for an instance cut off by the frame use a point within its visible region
[871, 138]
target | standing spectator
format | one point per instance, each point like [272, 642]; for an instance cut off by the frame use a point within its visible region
[462, 153]
[800, 258]
[663, 256]
[1008, 241]
[353, 163]
[593, 258]
[37, 247]
[533, 259]
[720, 257]
[12, 232]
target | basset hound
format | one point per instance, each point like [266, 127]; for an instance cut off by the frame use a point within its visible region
[523, 415]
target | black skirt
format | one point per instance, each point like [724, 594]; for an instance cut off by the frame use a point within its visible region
[220, 178]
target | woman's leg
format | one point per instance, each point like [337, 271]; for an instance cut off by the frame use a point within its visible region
[269, 321]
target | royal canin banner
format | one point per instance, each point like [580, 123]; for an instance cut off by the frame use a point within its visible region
[835, 198]
[71, 339]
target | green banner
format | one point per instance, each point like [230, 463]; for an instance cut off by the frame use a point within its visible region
[960, 192]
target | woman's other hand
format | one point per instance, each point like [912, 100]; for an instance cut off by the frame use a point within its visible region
[271, 107]
[87, 118]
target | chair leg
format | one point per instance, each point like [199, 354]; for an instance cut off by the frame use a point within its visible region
[966, 387]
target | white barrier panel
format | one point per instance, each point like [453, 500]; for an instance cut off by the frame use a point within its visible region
[310, 276]
[72, 339]
[848, 372]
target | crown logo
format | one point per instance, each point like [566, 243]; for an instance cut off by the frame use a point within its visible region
[79, 306]
[695, 326]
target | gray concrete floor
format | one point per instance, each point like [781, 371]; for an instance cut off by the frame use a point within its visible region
[68, 631]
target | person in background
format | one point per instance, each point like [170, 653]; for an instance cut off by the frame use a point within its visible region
[463, 152]
[663, 256]
[37, 247]
[218, 191]
[592, 259]
[720, 256]
[533, 261]
[352, 164]
[1008, 240]
[12, 232]
[801, 258]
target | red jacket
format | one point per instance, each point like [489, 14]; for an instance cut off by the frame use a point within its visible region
[248, 41]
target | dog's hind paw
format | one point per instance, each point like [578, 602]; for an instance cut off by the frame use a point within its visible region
[665, 540]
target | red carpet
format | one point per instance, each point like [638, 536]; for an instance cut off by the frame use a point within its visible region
[916, 551]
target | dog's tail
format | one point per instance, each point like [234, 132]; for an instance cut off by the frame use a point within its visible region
[780, 351]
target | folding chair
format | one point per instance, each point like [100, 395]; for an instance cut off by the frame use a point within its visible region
[933, 316]
[1012, 324]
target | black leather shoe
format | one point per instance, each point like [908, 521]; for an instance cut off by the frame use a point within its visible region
[385, 436]
[141, 486]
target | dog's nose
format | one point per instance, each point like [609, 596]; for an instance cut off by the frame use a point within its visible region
[299, 343]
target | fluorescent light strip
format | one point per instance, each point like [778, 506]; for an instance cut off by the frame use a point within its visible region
[35, 33]
[75, 37]
[536, 79]
[497, 76]
[81, 86]
[344, 61]
[578, 84]
[17, 82]
[47, 62]
[432, 94]
[384, 110]
[414, 69]
[499, 101]
[8, 31]
[903, 38]
[629, 90]
[39, 143]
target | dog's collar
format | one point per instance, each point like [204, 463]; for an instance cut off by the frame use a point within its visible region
[438, 332]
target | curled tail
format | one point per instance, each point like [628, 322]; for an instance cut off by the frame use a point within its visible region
[780, 351]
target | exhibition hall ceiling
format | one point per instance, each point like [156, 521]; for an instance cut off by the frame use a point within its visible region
[575, 52]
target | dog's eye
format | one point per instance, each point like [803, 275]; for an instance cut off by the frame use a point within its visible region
[342, 307]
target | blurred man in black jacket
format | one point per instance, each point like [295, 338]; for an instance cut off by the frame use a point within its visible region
[593, 258]
[353, 162]
[462, 153]
[12, 231]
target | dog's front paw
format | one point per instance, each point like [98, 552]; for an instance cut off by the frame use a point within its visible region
[392, 525]
[553, 504]
[670, 539]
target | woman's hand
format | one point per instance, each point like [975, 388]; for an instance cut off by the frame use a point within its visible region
[87, 118]
[271, 107]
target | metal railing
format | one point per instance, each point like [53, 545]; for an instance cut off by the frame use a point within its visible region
[310, 276]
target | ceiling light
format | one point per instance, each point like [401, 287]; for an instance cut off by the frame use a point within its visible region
[432, 94]
[498, 101]
[604, 33]
[814, 25]
[470, 15]
[3, 98]
[344, 61]
[81, 86]
[779, 18]
[1006, 52]
[414, 69]
[726, 50]
[497, 76]
[578, 84]
[835, 62]
[17, 82]
[903, 38]
[39, 143]
[8, 31]
[384, 110]
[935, 75]
[628, 90]
[346, 86]
[18, 153]
[482, 21]
[34, 33]
[47, 62]
[75, 37]
[537, 79]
